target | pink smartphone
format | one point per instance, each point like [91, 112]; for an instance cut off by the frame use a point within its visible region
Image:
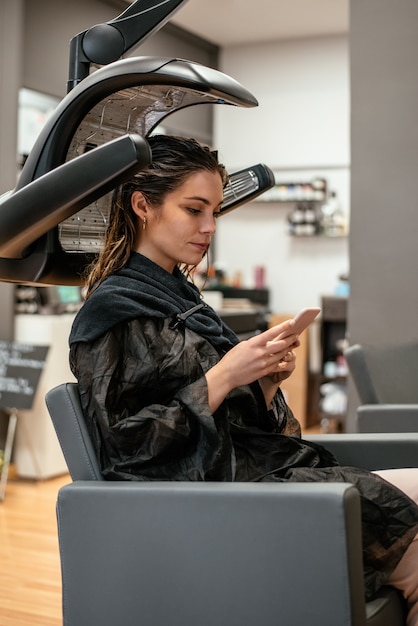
[302, 321]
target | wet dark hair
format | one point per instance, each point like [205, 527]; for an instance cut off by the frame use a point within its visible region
[174, 159]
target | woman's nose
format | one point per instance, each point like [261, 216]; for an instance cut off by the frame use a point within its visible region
[208, 224]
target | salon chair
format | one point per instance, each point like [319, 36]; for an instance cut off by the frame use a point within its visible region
[230, 554]
[385, 378]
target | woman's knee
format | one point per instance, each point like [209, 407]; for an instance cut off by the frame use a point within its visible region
[405, 479]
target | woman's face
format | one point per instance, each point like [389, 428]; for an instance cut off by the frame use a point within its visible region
[181, 229]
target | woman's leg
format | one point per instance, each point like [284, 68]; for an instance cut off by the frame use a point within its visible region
[405, 576]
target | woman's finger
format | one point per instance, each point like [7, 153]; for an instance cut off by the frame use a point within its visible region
[281, 346]
[272, 333]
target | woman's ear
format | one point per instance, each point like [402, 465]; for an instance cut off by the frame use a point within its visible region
[139, 204]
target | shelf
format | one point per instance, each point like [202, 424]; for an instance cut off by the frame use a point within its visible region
[301, 191]
[307, 219]
[317, 236]
[338, 379]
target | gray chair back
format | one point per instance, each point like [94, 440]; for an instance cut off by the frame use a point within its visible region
[64, 407]
[384, 374]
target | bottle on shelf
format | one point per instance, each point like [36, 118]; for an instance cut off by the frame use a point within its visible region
[303, 220]
[319, 188]
[333, 222]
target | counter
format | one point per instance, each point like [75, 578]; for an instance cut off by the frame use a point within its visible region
[37, 453]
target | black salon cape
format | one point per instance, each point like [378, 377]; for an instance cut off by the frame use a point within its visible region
[141, 373]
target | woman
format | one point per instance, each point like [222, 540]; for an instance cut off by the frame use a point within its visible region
[169, 392]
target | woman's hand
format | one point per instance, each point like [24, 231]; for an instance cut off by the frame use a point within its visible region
[266, 357]
[285, 368]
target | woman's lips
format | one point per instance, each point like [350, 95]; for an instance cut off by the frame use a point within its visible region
[201, 246]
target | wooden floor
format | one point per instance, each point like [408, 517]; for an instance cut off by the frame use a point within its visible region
[30, 578]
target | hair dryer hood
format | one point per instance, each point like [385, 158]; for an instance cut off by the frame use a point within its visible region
[128, 97]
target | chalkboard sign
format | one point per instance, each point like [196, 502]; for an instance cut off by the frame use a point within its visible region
[21, 367]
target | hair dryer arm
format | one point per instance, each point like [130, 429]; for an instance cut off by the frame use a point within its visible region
[42, 204]
[105, 43]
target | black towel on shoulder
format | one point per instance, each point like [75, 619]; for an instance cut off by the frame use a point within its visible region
[144, 289]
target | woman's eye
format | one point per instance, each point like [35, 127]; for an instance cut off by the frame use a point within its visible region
[193, 211]
[216, 214]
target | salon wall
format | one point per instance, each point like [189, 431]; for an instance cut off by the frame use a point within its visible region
[384, 141]
[48, 27]
[11, 39]
[301, 130]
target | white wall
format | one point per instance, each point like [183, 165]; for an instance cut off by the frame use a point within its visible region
[301, 130]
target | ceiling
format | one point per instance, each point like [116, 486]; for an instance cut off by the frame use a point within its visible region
[233, 22]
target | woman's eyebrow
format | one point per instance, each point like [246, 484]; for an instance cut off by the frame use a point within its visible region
[198, 198]
[203, 200]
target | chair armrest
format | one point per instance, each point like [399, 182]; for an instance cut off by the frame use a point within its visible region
[211, 553]
[372, 451]
[387, 418]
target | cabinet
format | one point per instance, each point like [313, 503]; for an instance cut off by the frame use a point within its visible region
[247, 309]
[328, 387]
[333, 332]
[295, 388]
